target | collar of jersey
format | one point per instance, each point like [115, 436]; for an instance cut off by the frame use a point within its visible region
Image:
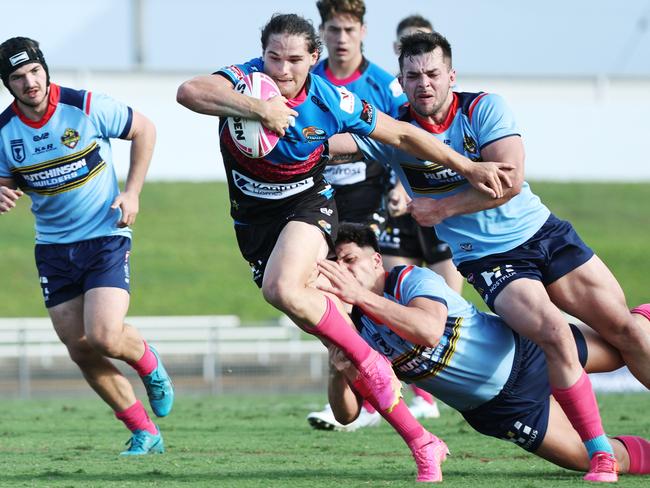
[301, 96]
[345, 81]
[53, 101]
[437, 128]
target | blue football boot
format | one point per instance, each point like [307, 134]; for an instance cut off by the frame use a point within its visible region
[143, 442]
[160, 389]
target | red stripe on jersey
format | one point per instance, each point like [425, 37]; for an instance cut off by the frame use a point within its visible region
[473, 105]
[88, 97]
[53, 101]
[437, 128]
[402, 275]
[267, 170]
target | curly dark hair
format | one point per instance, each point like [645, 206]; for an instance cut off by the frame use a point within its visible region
[292, 24]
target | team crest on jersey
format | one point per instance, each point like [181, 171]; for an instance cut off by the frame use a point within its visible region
[312, 134]
[18, 150]
[367, 112]
[70, 138]
[469, 144]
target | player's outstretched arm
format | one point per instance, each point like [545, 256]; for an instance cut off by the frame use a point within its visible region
[487, 177]
[8, 194]
[143, 139]
[422, 321]
[215, 95]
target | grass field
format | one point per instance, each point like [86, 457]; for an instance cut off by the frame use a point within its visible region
[185, 259]
[262, 441]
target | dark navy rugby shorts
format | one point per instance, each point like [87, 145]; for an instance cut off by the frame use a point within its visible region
[404, 237]
[555, 250]
[69, 270]
[257, 240]
[519, 413]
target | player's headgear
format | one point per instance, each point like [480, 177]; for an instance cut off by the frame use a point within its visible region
[16, 52]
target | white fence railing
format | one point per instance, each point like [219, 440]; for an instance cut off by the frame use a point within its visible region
[210, 337]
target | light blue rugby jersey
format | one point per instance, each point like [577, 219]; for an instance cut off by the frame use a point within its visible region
[379, 87]
[475, 120]
[474, 358]
[64, 163]
[370, 83]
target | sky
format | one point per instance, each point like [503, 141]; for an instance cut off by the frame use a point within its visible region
[495, 37]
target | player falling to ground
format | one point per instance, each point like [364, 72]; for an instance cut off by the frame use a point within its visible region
[55, 146]
[284, 214]
[528, 265]
[496, 378]
[359, 186]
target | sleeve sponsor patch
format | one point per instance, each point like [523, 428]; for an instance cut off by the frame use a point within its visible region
[367, 112]
[347, 100]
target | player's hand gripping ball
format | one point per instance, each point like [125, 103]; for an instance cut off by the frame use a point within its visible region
[250, 136]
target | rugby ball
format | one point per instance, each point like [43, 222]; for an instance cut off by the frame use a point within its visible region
[250, 136]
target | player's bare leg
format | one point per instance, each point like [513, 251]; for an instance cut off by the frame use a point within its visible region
[287, 285]
[99, 372]
[526, 307]
[592, 294]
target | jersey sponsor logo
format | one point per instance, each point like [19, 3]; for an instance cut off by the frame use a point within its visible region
[326, 211]
[395, 88]
[18, 150]
[41, 137]
[62, 174]
[367, 112]
[521, 434]
[313, 134]
[269, 191]
[319, 103]
[326, 226]
[347, 99]
[54, 176]
[466, 246]
[500, 274]
[346, 174]
[44, 149]
[70, 138]
[430, 178]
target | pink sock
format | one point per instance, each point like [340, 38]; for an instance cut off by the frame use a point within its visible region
[400, 417]
[639, 450]
[425, 395]
[147, 363]
[642, 310]
[337, 330]
[135, 418]
[368, 406]
[579, 405]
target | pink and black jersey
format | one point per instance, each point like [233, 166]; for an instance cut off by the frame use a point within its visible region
[262, 187]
